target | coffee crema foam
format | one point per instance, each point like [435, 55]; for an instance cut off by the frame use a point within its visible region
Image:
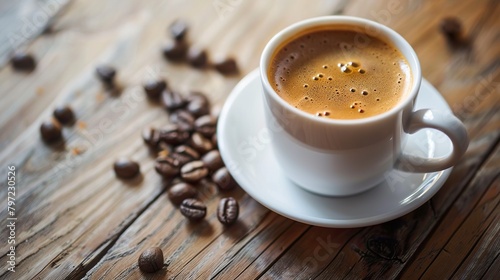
[335, 74]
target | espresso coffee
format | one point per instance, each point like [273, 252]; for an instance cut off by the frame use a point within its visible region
[339, 73]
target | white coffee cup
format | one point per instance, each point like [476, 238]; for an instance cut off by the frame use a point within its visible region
[345, 157]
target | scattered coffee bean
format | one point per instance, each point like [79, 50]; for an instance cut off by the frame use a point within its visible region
[185, 154]
[214, 141]
[64, 114]
[228, 211]
[178, 30]
[226, 67]
[151, 137]
[154, 88]
[197, 58]
[213, 160]
[23, 61]
[452, 29]
[51, 131]
[194, 171]
[200, 143]
[193, 209]
[198, 106]
[106, 74]
[172, 100]
[206, 125]
[167, 166]
[197, 96]
[126, 168]
[173, 135]
[223, 179]
[183, 119]
[151, 260]
[181, 191]
[175, 51]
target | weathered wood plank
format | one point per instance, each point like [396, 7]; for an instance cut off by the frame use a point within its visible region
[487, 249]
[269, 255]
[313, 252]
[471, 216]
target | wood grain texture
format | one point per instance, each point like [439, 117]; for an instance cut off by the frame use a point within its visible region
[77, 220]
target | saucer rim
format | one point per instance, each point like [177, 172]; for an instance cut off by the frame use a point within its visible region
[438, 180]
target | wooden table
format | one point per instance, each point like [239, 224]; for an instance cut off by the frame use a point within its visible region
[75, 219]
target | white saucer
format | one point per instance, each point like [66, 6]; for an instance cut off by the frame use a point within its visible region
[245, 148]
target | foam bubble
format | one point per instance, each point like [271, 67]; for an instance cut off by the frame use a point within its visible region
[345, 69]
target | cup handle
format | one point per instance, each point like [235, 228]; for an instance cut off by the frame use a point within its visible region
[447, 123]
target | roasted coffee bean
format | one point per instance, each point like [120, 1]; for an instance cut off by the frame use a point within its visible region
[206, 125]
[452, 29]
[194, 171]
[185, 154]
[51, 131]
[198, 107]
[151, 137]
[106, 74]
[167, 166]
[200, 143]
[197, 58]
[126, 168]
[175, 51]
[214, 141]
[23, 62]
[183, 119]
[213, 160]
[178, 30]
[64, 114]
[173, 135]
[154, 88]
[227, 66]
[223, 179]
[228, 211]
[197, 104]
[172, 100]
[151, 260]
[198, 96]
[193, 209]
[180, 191]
